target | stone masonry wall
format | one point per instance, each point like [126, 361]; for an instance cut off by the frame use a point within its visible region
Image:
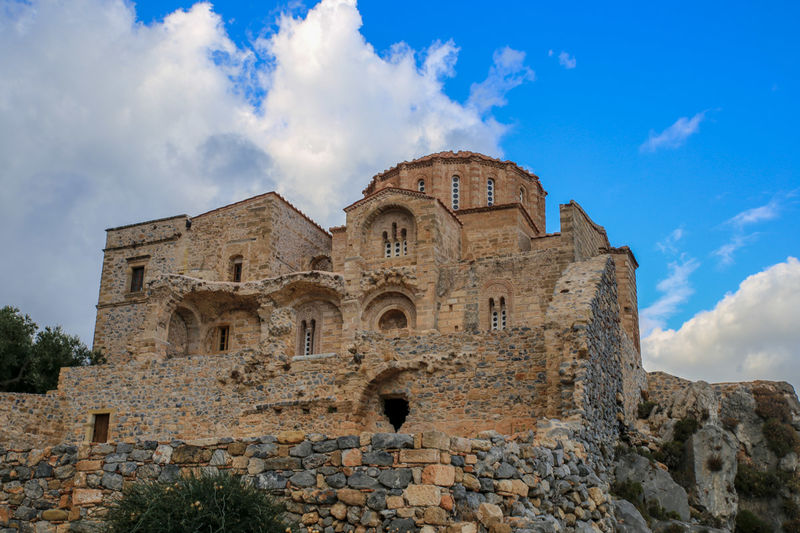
[30, 419]
[363, 483]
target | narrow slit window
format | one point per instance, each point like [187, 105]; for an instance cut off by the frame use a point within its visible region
[521, 195]
[456, 192]
[490, 192]
[396, 248]
[421, 185]
[137, 278]
[308, 337]
[237, 271]
[100, 427]
[388, 248]
[224, 337]
[502, 313]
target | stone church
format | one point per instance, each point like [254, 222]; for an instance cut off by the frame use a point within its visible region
[443, 303]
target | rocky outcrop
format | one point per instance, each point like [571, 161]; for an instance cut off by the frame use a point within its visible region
[713, 464]
[658, 488]
[628, 518]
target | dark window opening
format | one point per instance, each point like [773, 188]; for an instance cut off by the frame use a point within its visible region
[396, 410]
[224, 334]
[100, 429]
[393, 319]
[137, 278]
[237, 272]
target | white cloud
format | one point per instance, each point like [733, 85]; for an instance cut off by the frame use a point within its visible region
[675, 289]
[669, 244]
[566, 61]
[726, 252]
[740, 221]
[756, 214]
[675, 135]
[508, 71]
[106, 121]
[750, 334]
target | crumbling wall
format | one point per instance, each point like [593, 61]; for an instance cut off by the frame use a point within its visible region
[383, 481]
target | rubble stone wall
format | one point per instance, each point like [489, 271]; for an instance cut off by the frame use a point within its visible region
[367, 482]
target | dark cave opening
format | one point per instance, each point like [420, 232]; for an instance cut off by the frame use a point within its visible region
[396, 410]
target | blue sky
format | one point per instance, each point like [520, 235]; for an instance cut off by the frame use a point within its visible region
[674, 126]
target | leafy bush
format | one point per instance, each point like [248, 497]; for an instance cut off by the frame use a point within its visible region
[753, 483]
[781, 437]
[645, 408]
[674, 528]
[684, 428]
[206, 504]
[672, 454]
[747, 522]
[628, 490]
[771, 405]
[714, 463]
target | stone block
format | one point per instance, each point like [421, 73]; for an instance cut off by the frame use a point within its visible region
[437, 474]
[351, 496]
[55, 515]
[423, 495]
[435, 516]
[87, 465]
[351, 457]
[419, 456]
[163, 454]
[489, 513]
[291, 437]
[86, 496]
[339, 510]
[435, 439]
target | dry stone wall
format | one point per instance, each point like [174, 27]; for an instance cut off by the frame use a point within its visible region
[354, 483]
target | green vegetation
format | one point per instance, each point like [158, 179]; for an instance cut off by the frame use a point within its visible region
[781, 437]
[747, 522]
[771, 404]
[218, 503]
[714, 463]
[684, 428]
[30, 359]
[645, 408]
[753, 483]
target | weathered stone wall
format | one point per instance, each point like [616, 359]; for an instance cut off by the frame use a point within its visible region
[30, 419]
[368, 482]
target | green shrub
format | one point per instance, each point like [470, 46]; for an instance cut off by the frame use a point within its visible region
[781, 437]
[684, 428]
[206, 504]
[791, 509]
[645, 408]
[714, 463]
[628, 490]
[672, 454]
[674, 528]
[747, 522]
[753, 483]
[771, 405]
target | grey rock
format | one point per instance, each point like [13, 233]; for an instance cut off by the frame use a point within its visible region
[401, 525]
[116, 458]
[326, 446]
[124, 447]
[396, 479]
[628, 518]
[714, 446]
[350, 441]
[24, 512]
[359, 480]
[354, 515]
[111, 481]
[380, 458]
[169, 473]
[381, 441]
[304, 449]
[219, 458]
[315, 460]
[33, 489]
[262, 451]
[377, 500]
[148, 471]
[270, 481]
[141, 455]
[336, 481]
[505, 471]
[43, 469]
[304, 479]
[658, 487]
[282, 463]
[127, 469]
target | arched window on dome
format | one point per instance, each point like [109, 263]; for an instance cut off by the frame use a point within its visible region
[421, 185]
[490, 192]
[455, 192]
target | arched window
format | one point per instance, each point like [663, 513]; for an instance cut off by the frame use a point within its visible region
[502, 313]
[498, 316]
[494, 315]
[456, 193]
[307, 327]
[421, 185]
[490, 192]
[387, 245]
[397, 245]
[521, 195]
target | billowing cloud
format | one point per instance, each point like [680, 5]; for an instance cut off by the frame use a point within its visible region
[675, 135]
[106, 121]
[567, 61]
[675, 290]
[750, 334]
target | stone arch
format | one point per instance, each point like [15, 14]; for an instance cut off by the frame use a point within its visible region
[367, 406]
[496, 295]
[318, 313]
[389, 231]
[387, 306]
[183, 333]
[322, 263]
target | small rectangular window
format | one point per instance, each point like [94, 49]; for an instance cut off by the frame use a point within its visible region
[224, 334]
[237, 272]
[137, 278]
[100, 429]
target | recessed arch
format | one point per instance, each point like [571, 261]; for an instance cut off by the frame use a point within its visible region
[389, 311]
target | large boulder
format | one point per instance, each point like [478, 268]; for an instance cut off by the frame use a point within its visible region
[698, 401]
[713, 462]
[657, 485]
[628, 518]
